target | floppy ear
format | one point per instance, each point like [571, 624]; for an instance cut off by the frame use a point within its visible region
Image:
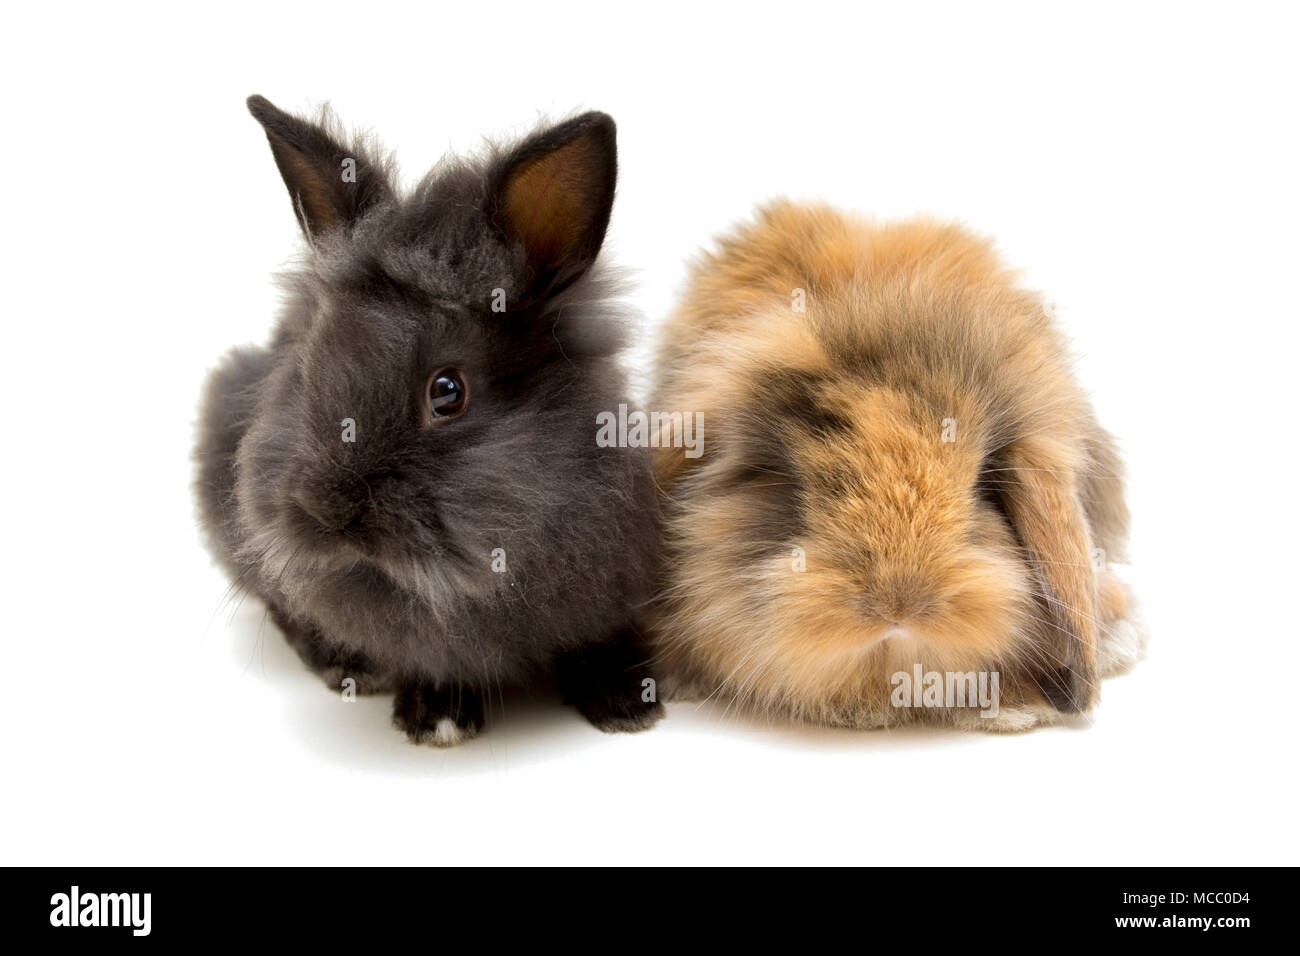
[1047, 514]
[1102, 493]
[330, 184]
[553, 193]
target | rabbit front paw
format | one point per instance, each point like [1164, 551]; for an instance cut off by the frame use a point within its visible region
[610, 686]
[438, 715]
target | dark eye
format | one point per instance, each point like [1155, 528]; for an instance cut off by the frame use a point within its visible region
[447, 394]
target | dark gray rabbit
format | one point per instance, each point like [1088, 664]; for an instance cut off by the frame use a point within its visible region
[408, 474]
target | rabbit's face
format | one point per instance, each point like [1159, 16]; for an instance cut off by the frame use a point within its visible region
[382, 407]
[898, 546]
[845, 538]
[410, 420]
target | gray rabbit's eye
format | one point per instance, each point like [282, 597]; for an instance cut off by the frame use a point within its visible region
[447, 393]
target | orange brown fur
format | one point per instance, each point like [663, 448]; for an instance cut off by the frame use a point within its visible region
[824, 444]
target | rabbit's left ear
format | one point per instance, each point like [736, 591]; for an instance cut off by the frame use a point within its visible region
[553, 193]
[1045, 510]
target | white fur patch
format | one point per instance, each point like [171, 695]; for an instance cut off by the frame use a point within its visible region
[1124, 643]
[447, 733]
[1014, 720]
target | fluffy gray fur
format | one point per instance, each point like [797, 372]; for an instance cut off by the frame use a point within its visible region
[376, 556]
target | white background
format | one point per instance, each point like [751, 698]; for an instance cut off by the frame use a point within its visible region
[1138, 161]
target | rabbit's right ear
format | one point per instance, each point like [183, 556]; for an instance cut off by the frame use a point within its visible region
[329, 184]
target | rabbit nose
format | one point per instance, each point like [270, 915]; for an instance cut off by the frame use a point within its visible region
[899, 600]
[332, 515]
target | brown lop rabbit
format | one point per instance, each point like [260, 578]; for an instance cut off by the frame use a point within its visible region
[902, 495]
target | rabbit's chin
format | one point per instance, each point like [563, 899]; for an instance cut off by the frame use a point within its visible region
[294, 562]
[861, 675]
[807, 643]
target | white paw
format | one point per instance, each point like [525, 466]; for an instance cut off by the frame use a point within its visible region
[1124, 643]
[448, 733]
[445, 733]
[1014, 720]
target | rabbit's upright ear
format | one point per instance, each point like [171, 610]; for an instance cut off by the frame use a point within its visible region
[330, 184]
[1044, 505]
[554, 193]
